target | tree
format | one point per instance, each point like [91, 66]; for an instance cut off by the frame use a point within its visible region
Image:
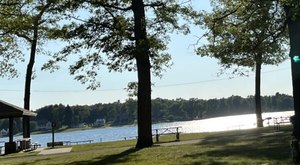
[9, 52]
[292, 9]
[27, 21]
[246, 34]
[131, 38]
[68, 116]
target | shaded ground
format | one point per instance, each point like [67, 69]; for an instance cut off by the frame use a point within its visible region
[236, 147]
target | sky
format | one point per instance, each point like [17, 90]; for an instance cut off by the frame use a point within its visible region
[190, 76]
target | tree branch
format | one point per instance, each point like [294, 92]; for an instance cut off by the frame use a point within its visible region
[8, 4]
[155, 4]
[23, 36]
[93, 2]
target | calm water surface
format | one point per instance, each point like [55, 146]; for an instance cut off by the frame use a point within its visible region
[130, 131]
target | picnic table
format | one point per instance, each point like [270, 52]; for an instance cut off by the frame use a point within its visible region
[165, 131]
[278, 121]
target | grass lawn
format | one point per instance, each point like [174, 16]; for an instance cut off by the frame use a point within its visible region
[256, 146]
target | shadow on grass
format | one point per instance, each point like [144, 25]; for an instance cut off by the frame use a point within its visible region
[274, 148]
[36, 161]
[252, 152]
[109, 159]
[211, 162]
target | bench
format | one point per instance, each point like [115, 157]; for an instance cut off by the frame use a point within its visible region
[60, 143]
[77, 142]
[130, 137]
[166, 131]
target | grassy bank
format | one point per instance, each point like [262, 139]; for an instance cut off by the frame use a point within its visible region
[255, 146]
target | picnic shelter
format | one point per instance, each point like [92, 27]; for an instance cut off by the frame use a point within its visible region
[11, 111]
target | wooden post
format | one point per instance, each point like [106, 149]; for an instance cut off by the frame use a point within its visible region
[11, 129]
[177, 134]
[53, 127]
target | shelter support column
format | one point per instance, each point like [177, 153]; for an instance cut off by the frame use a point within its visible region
[11, 146]
[11, 129]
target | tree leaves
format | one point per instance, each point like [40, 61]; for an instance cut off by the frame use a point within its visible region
[239, 31]
[18, 21]
[105, 30]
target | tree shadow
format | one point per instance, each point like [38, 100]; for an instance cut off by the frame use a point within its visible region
[206, 163]
[109, 159]
[251, 152]
[36, 161]
[271, 148]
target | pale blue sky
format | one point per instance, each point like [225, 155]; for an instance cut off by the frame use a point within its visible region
[191, 76]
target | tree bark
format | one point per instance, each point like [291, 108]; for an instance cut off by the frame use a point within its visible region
[259, 120]
[294, 34]
[26, 120]
[144, 76]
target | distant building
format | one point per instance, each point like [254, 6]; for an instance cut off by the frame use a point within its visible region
[99, 123]
[4, 132]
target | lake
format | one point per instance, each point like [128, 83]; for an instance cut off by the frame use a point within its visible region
[130, 131]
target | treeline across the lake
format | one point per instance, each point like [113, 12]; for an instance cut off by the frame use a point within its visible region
[163, 110]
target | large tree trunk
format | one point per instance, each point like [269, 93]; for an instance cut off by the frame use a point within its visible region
[26, 120]
[259, 120]
[294, 34]
[144, 76]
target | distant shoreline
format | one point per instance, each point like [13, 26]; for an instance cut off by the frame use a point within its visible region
[65, 129]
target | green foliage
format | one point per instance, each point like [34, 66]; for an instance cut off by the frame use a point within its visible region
[164, 110]
[244, 33]
[9, 52]
[33, 125]
[4, 124]
[101, 33]
[22, 23]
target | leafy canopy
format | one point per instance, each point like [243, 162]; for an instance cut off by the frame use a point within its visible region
[102, 33]
[18, 21]
[243, 33]
[9, 54]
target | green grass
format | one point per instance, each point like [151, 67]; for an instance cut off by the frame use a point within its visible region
[222, 148]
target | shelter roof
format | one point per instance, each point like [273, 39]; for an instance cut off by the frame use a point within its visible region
[9, 110]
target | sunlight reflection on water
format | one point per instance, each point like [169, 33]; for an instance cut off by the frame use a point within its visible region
[130, 131]
[224, 123]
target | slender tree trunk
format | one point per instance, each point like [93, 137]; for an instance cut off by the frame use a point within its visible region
[26, 120]
[259, 120]
[144, 76]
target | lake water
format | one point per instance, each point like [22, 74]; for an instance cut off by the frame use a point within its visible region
[130, 131]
